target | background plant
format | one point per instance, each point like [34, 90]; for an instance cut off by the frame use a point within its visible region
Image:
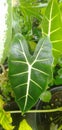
[30, 19]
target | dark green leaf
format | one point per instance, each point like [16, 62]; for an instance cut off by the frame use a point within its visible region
[29, 75]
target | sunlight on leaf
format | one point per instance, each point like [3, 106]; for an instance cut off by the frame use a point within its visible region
[5, 117]
[60, 128]
[6, 120]
[1, 102]
[24, 125]
[15, 2]
[52, 27]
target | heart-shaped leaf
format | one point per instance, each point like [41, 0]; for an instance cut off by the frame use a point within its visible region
[5, 28]
[29, 75]
[52, 27]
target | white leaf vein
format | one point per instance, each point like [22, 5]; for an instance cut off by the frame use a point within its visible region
[40, 71]
[17, 61]
[34, 82]
[55, 41]
[49, 28]
[24, 52]
[18, 74]
[21, 85]
[55, 30]
[41, 60]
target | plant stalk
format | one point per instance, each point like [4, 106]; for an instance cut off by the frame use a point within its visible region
[38, 111]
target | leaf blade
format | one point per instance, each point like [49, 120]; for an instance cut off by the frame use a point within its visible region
[27, 71]
[24, 125]
[52, 27]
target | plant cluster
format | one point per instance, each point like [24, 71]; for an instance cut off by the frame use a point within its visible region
[33, 55]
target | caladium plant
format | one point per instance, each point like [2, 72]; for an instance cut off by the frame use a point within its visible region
[29, 74]
[52, 27]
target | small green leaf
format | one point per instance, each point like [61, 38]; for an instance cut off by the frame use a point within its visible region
[24, 125]
[45, 96]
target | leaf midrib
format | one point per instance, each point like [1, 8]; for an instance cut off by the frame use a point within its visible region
[49, 29]
[28, 85]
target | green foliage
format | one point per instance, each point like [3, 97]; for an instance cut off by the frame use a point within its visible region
[5, 117]
[17, 22]
[26, 19]
[53, 126]
[30, 9]
[60, 128]
[60, 0]
[60, 61]
[1, 102]
[5, 120]
[5, 86]
[30, 69]
[28, 73]
[52, 27]
[58, 78]
[58, 73]
[24, 125]
[60, 6]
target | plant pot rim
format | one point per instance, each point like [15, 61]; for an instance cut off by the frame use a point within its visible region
[38, 115]
[56, 88]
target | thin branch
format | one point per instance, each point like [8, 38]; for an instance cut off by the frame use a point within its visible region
[38, 111]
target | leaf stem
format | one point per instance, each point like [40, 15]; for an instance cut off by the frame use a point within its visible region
[38, 111]
[2, 67]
